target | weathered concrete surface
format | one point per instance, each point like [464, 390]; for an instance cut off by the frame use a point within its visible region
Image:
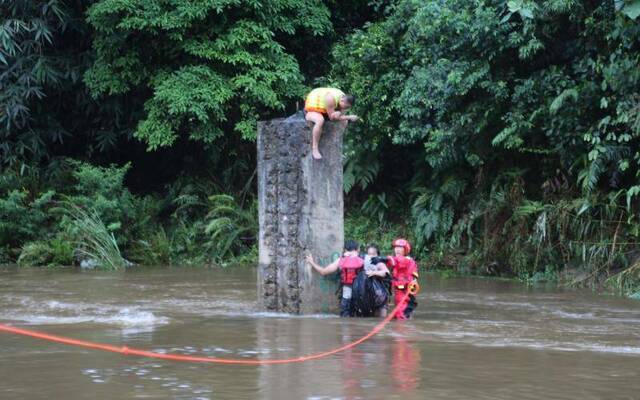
[300, 212]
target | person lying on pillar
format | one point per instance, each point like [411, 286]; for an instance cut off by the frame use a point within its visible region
[349, 265]
[405, 278]
[374, 267]
[326, 104]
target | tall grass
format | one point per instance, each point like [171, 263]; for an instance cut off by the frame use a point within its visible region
[627, 281]
[576, 240]
[92, 238]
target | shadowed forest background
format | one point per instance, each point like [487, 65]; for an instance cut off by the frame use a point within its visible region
[502, 137]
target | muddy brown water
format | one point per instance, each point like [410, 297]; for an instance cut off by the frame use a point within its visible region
[470, 339]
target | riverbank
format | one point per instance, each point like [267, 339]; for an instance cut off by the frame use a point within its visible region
[87, 216]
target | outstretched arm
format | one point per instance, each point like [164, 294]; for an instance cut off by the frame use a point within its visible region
[381, 270]
[329, 269]
[336, 115]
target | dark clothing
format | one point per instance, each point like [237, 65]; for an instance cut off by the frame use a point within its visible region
[412, 304]
[345, 308]
[370, 295]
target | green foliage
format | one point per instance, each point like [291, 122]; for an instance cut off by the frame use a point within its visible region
[54, 252]
[81, 80]
[364, 229]
[27, 66]
[468, 90]
[35, 254]
[23, 218]
[210, 66]
[627, 281]
[35, 214]
[153, 250]
[92, 239]
[362, 173]
[433, 209]
[100, 187]
[502, 136]
[5, 257]
[45, 109]
[187, 243]
[552, 240]
[102, 190]
[377, 207]
[232, 229]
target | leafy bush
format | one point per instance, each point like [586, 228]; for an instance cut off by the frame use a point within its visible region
[35, 254]
[23, 218]
[232, 229]
[214, 66]
[153, 250]
[366, 230]
[102, 190]
[54, 252]
[187, 242]
[491, 107]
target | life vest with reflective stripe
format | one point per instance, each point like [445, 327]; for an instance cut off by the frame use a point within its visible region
[317, 99]
[349, 268]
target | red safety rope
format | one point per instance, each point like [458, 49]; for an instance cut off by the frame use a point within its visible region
[179, 357]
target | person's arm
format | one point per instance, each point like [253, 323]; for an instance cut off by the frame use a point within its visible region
[329, 269]
[381, 270]
[391, 262]
[336, 115]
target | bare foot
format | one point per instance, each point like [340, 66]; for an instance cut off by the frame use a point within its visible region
[316, 154]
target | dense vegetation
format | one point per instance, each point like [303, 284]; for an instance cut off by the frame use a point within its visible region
[503, 137]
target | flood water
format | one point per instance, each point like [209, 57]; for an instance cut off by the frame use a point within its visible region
[470, 339]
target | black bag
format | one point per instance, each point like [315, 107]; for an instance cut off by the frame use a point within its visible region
[368, 294]
[377, 291]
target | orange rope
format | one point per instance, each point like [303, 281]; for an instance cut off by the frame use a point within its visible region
[179, 357]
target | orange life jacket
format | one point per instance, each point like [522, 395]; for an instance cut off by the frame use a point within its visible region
[316, 99]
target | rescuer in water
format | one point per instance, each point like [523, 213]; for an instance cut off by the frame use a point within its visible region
[326, 104]
[349, 265]
[405, 278]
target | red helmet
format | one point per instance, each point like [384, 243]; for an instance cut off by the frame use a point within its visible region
[402, 243]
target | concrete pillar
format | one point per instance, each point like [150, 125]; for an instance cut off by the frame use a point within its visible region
[300, 212]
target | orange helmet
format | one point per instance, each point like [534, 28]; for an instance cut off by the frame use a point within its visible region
[402, 243]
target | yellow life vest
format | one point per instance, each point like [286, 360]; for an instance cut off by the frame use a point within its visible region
[316, 99]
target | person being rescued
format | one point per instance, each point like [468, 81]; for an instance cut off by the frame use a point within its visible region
[349, 265]
[375, 268]
[405, 277]
[326, 104]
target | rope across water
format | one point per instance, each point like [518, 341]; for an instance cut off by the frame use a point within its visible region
[202, 359]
